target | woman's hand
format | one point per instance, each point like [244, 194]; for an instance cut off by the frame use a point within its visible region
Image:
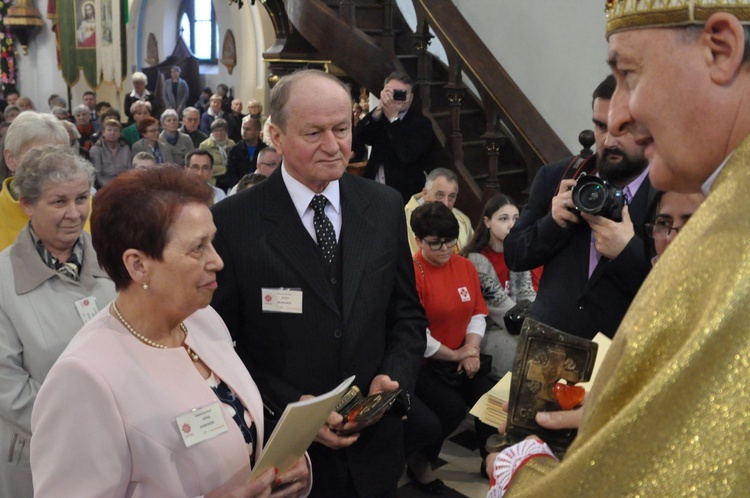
[470, 366]
[293, 482]
[259, 488]
[466, 351]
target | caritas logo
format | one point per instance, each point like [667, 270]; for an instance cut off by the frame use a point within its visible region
[186, 428]
[268, 298]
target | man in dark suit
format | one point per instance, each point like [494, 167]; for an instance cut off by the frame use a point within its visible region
[593, 266]
[400, 136]
[243, 157]
[318, 285]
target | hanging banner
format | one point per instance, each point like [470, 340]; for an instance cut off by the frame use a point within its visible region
[89, 39]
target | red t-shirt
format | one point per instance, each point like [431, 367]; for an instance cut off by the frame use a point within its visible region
[450, 295]
[503, 273]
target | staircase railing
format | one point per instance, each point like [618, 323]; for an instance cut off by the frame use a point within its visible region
[505, 105]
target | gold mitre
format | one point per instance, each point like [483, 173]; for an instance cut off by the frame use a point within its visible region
[634, 14]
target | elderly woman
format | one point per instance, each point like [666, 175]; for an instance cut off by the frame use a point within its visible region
[181, 143]
[82, 115]
[110, 155]
[139, 110]
[139, 93]
[213, 112]
[120, 411]
[50, 285]
[218, 145]
[28, 130]
[449, 289]
[151, 142]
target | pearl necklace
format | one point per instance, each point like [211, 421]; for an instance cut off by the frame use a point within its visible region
[192, 354]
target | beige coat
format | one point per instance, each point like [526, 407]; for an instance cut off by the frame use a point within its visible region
[38, 318]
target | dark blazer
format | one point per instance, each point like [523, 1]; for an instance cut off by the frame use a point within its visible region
[402, 147]
[239, 163]
[378, 327]
[567, 298]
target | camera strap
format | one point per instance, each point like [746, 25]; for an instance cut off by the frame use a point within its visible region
[579, 165]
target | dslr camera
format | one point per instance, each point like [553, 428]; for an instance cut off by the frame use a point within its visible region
[593, 195]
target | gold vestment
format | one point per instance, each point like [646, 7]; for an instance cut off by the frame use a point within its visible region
[669, 413]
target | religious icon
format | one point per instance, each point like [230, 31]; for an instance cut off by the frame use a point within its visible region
[86, 22]
[547, 366]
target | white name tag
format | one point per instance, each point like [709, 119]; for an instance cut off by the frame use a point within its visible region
[87, 308]
[281, 300]
[201, 424]
[464, 293]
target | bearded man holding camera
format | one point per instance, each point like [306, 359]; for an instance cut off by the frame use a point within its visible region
[593, 263]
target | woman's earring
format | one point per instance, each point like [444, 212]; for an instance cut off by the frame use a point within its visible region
[145, 286]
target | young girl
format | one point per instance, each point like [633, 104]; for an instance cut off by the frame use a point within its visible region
[501, 288]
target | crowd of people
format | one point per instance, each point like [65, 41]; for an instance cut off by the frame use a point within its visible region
[161, 275]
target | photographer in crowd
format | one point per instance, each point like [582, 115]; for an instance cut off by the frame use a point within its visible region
[593, 263]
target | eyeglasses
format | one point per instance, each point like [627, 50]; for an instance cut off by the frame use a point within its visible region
[152, 130]
[661, 232]
[270, 165]
[436, 245]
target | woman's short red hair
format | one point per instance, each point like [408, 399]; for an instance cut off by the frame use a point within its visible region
[136, 210]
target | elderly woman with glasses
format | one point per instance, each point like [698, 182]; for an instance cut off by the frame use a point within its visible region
[449, 289]
[150, 397]
[151, 142]
[50, 286]
[218, 145]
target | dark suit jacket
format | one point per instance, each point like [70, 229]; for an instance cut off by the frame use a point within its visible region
[567, 298]
[239, 163]
[402, 147]
[378, 329]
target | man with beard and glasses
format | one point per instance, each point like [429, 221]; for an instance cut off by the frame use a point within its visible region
[593, 266]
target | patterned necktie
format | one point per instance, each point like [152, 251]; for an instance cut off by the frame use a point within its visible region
[323, 228]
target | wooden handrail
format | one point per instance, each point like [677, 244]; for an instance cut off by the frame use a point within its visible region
[326, 32]
[536, 139]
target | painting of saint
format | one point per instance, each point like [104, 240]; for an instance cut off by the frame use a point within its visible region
[86, 32]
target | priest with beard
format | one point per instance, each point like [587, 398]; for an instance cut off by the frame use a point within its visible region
[593, 265]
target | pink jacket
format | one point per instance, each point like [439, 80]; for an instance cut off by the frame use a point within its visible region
[104, 420]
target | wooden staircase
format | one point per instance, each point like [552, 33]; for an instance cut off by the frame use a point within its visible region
[495, 141]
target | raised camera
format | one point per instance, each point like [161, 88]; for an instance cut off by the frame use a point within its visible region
[596, 196]
[399, 94]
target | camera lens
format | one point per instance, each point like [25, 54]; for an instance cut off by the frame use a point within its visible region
[592, 197]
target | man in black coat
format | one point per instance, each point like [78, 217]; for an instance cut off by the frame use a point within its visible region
[593, 266]
[400, 136]
[243, 157]
[313, 295]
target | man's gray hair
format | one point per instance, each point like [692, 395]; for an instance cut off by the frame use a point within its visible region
[50, 164]
[30, 127]
[439, 173]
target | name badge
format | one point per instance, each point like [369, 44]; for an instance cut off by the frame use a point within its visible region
[281, 300]
[201, 424]
[87, 308]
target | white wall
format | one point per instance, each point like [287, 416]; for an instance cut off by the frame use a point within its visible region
[37, 74]
[555, 51]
